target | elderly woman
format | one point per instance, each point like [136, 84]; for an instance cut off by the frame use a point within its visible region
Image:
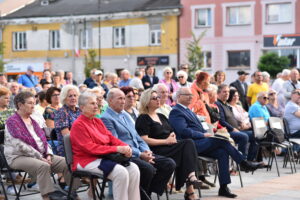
[155, 129]
[219, 77]
[66, 115]
[182, 79]
[130, 102]
[102, 104]
[91, 141]
[26, 148]
[162, 91]
[200, 95]
[170, 83]
[273, 107]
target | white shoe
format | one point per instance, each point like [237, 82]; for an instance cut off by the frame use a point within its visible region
[10, 190]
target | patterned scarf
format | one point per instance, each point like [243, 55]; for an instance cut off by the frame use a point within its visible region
[18, 129]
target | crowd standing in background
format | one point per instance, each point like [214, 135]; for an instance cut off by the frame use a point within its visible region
[161, 124]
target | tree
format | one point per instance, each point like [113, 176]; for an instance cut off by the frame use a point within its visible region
[273, 63]
[90, 62]
[1, 57]
[194, 53]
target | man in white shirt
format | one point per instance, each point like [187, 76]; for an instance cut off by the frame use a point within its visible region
[292, 113]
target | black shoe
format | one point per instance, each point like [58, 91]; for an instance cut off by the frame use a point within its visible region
[57, 195]
[204, 180]
[225, 192]
[249, 166]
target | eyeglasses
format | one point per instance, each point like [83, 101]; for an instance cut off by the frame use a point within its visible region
[271, 94]
[266, 98]
[155, 98]
[296, 93]
[180, 76]
[130, 96]
[55, 95]
[168, 72]
[184, 68]
[136, 93]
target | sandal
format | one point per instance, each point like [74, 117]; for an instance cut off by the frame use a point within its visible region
[187, 195]
[196, 183]
[61, 184]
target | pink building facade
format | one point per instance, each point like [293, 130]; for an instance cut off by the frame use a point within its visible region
[239, 32]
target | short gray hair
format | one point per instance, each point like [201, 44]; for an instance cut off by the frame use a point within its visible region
[182, 73]
[221, 87]
[158, 86]
[261, 94]
[84, 97]
[21, 98]
[112, 92]
[65, 90]
[286, 72]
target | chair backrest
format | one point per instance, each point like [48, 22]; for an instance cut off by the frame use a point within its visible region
[286, 127]
[3, 162]
[276, 122]
[2, 132]
[68, 150]
[259, 127]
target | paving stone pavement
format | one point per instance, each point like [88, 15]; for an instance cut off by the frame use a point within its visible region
[262, 185]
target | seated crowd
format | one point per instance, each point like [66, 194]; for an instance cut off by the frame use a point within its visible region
[160, 126]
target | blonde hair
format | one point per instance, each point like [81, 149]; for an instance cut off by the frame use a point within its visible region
[145, 100]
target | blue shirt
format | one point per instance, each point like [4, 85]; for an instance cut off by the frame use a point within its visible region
[124, 83]
[258, 110]
[28, 81]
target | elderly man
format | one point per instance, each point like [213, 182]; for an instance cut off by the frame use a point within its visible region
[14, 88]
[125, 78]
[230, 123]
[292, 113]
[257, 87]
[136, 82]
[291, 85]
[242, 88]
[28, 80]
[187, 125]
[155, 170]
[259, 108]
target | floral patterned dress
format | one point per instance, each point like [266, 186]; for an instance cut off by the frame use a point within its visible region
[64, 118]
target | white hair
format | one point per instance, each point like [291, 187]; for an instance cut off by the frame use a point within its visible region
[265, 74]
[286, 72]
[84, 97]
[261, 94]
[182, 73]
[167, 68]
[158, 86]
[98, 89]
[65, 90]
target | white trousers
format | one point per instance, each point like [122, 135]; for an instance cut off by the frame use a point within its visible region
[126, 180]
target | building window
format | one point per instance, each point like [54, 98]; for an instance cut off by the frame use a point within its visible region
[279, 13]
[207, 59]
[203, 17]
[239, 58]
[155, 37]
[240, 15]
[19, 41]
[54, 39]
[85, 38]
[119, 36]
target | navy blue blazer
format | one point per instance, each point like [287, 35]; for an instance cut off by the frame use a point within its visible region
[186, 124]
[146, 79]
[124, 129]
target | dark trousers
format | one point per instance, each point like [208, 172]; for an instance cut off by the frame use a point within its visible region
[154, 177]
[241, 139]
[220, 150]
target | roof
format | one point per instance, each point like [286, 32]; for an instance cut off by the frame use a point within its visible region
[89, 7]
[8, 6]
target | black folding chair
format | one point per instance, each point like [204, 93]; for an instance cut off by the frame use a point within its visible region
[277, 123]
[80, 173]
[6, 169]
[295, 141]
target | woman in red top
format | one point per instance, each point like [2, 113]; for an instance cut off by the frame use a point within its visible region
[91, 140]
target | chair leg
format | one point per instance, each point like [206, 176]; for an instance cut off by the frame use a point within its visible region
[274, 155]
[3, 187]
[102, 188]
[240, 175]
[70, 187]
[22, 184]
[217, 173]
[167, 194]
[173, 180]
[290, 159]
[14, 185]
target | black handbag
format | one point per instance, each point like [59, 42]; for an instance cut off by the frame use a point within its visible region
[213, 113]
[274, 135]
[118, 158]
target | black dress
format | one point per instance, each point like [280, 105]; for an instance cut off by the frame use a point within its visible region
[183, 152]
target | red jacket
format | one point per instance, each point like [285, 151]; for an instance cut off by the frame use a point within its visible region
[90, 139]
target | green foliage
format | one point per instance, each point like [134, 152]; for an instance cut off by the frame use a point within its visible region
[194, 53]
[91, 62]
[273, 63]
[1, 57]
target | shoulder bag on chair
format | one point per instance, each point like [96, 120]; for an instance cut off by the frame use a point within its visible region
[274, 135]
